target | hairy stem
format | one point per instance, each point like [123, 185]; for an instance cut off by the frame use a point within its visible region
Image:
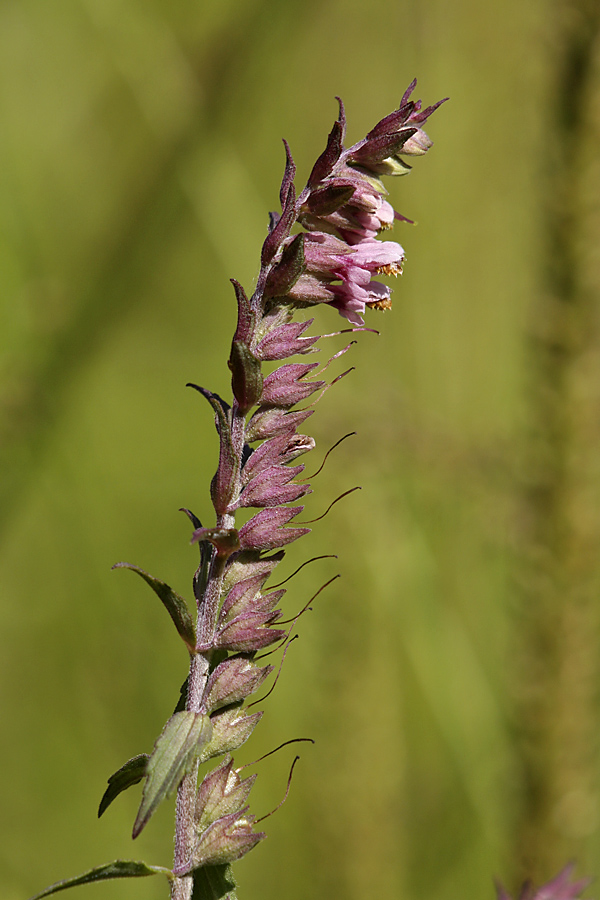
[181, 888]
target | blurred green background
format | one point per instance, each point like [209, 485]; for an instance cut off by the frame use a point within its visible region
[140, 151]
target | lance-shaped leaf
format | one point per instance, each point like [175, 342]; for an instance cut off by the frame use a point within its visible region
[119, 868]
[131, 773]
[231, 729]
[332, 152]
[180, 741]
[223, 484]
[246, 375]
[232, 681]
[246, 317]
[214, 883]
[274, 240]
[173, 603]
[288, 175]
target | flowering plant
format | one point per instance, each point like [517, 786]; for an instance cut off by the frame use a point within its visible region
[324, 247]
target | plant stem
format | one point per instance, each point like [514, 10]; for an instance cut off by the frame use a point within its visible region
[181, 888]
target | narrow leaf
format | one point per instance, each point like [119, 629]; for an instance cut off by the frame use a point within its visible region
[131, 773]
[214, 883]
[181, 740]
[120, 868]
[173, 603]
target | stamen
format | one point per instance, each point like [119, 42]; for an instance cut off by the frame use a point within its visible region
[337, 444]
[304, 609]
[308, 561]
[307, 607]
[287, 790]
[272, 688]
[276, 750]
[331, 505]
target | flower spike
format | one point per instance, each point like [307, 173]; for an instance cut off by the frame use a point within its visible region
[325, 248]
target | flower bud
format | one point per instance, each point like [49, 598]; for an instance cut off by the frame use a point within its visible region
[232, 681]
[227, 839]
[230, 729]
[221, 793]
[284, 387]
[266, 530]
[267, 423]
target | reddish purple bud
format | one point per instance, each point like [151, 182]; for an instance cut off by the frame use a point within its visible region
[246, 634]
[232, 681]
[266, 530]
[272, 487]
[376, 149]
[245, 597]
[276, 451]
[267, 423]
[284, 387]
[286, 341]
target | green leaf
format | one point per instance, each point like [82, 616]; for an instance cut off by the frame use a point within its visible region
[214, 883]
[174, 604]
[179, 743]
[119, 868]
[131, 773]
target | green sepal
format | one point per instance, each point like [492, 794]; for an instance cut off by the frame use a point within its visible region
[214, 883]
[231, 728]
[173, 603]
[119, 868]
[176, 748]
[131, 773]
